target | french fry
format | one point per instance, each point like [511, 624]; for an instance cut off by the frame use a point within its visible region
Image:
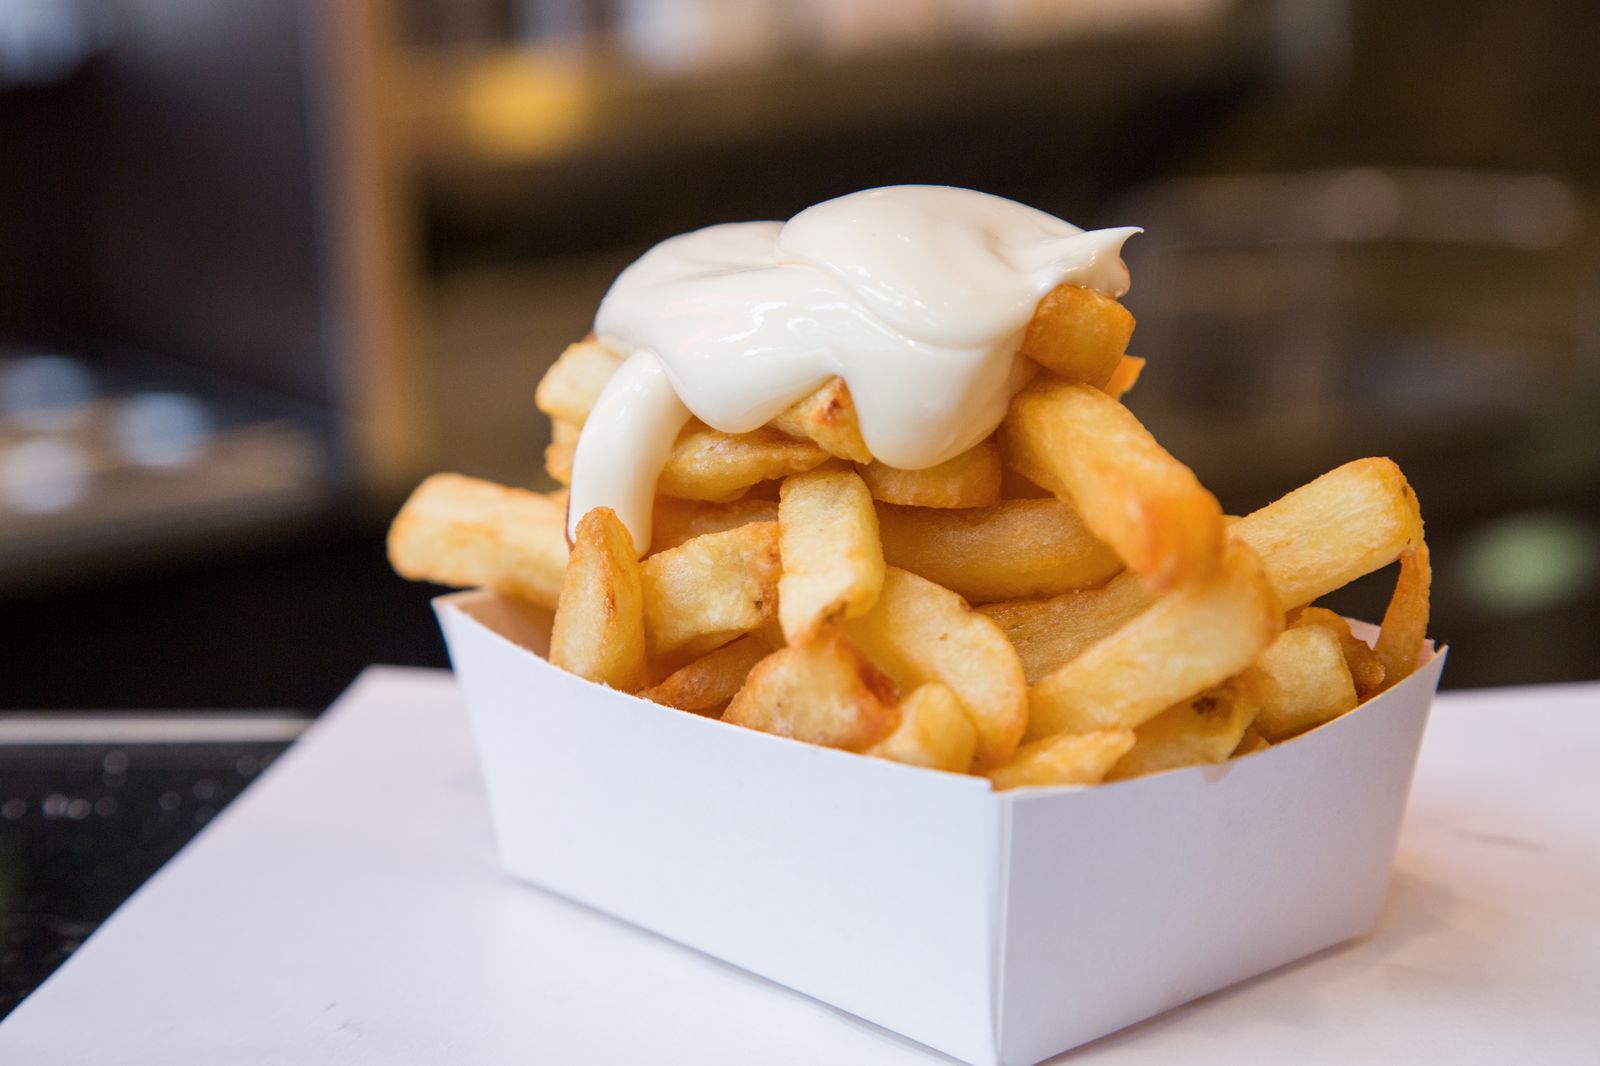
[559, 452]
[1013, 550]
[1048, 634]
[827, 417]
[706, 685]
[574, 381]
[1305, 681]
[1350, 521]
[599, 624]
[1191, 639]
[465, 532]
[1207, 728]
[832, 560]
[1405, 622]
[919, 632]
[1091, 451]
[677, 521]
[1064, 759]
[824, 692]
[971, 479]
[709, 590]
[1124, 377]
[934, 732]
[1078, 333]
[1366, 669]
[710, 465]
[1250, 743]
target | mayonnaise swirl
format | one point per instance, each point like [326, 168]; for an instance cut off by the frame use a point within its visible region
[915, 295]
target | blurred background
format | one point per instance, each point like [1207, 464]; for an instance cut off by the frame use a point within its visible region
[264, 263]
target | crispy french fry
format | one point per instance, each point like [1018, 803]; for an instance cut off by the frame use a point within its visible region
[971, 479]
[934, 732]
[1405, 622]
[462, 531]
[1124, 377]
[824, 691]
[677, 521]
[1048, 634]
[559, 452]
[1366, 669]
[832, 560]
[1089, 449]
[570, 387]
[706, 685]
[827, 417]
[709, 465]
[1191, 639]
[1305, 681]
[1250, 743]
[1078, 333]
[919, 632]
[1348, 522]
[1016, 549]
[1064, 759]
[1207, 728]
[709, 590]
[599, 625]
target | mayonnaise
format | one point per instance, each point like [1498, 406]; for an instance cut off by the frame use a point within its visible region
[915, 295]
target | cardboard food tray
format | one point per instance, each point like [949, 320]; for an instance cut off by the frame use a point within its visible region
[998, 927]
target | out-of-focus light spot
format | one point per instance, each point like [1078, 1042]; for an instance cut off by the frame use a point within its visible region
[115, 762]
[1360, 205]
[1530, 562]
[54, 805]
[43, 475]
[105, 806]
[162, 429]
[1537, 212]
[525, 107]
[13, 809]
[169, 801]
[78, 808]
[45, 393]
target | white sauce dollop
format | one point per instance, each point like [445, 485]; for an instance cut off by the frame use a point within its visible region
[915, 295]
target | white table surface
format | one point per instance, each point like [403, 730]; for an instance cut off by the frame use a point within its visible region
[348, 909]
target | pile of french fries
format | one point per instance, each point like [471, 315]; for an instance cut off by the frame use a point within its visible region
[1065, 603]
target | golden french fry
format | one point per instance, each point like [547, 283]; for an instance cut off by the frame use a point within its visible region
[570, 387]
[1016, 549]
[919, 632]
[1191, 639]
[1405, 622]
[679, 520]
[832, 561]
[971, 479]
[1064, 759]
[709, 465]
[1078, 333]
[1124, 377]
[1250, 743]
[1366, 669]
[1348, 522]
[827, 417]
[1048, 634]
[599, 625]
[824, 692]
[1207, 728]
[1305, 681]
[559, 452]
[462, 531]
[934, 732]
[706, 685]
[1091, 451]
[709, 590]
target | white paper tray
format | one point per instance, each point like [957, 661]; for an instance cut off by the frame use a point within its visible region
[1001, 928]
